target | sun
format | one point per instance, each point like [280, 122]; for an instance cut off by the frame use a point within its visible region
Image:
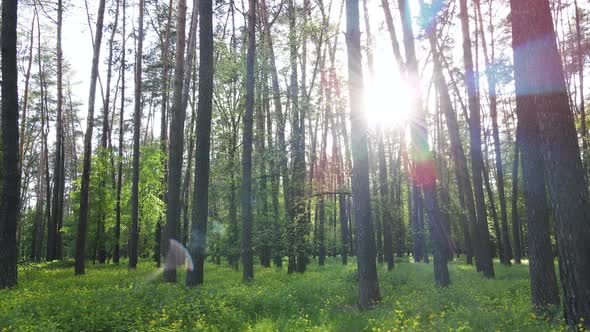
[387, 101]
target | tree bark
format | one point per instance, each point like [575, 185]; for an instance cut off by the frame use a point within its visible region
[164, 131]
[134, 233]
[503, 236]
[247, 215]
[516, 229]
[424, 177]
[171, 231]
[368, 284]
[10, 195]
[117, 249]
[541, 90]
[200, 195]
[481, 236]
[85, 181]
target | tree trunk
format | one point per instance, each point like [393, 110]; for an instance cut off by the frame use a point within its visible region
[542, 272]
[117, 249]
[25, 104]
[384, 190]
[541, 91]
[200, 195]
[247, 215]
[581, 61]
[164, 131]
[368, 285]
[190, 57]
[85, 181]
[503, 236]
[516, 229]
[10, 200]
[466, 203]
[134, 232]
[481, 236]
[491, 199]
[176, 151]
[425, 176]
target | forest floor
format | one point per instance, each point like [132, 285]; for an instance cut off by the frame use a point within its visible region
[112, 298]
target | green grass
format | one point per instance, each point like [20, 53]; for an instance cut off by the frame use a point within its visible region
[110, 298]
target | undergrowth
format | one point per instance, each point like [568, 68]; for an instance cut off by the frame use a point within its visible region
[112, 298]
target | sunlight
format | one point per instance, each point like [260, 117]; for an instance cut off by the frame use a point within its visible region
[387, 101]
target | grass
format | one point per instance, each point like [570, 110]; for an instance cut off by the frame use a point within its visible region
[112, 298]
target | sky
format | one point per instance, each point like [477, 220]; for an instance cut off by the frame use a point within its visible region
[382, 88]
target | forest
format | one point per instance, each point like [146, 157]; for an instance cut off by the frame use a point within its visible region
[294, 165]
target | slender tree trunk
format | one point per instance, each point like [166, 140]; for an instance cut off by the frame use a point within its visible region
[85, 181]
[10, 195]
[104, 139]
[466, 203]
[480, 237]
[491, 198]
[376, 202]
[516, 229]
[368, 284]
[25, 103]
[273, 169]
[43, 106]
[425, 176]
[541, 91]
[384, 190]
[200, 195]
[581, 61]
[36, 245]
[280, 119]
[190, 57]
[247, 215]
[164, 131]
[117, 249]
[176, 151]
[503, 236]
[134, 233]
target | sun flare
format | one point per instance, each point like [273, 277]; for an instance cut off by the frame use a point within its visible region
[387, 102]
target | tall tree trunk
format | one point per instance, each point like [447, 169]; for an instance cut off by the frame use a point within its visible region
[491, 198]
[176, 151]
[297, 226]
[117, 249]
[189, 69]
[425, 170]
[503, 236]
[164, 130]
[43, 106]
[85, 181]
[134, 233]
[481, 236]
[10, 199]
[541, 90]
[200, 195]
[25, 103]
[368, 285]
[516, 229]
[376, 202]
[280, 119]
[36, 244]
[104, 137]
[468, 216]
[542, 272]
[386, 212]
[581, 57]
[247, 215]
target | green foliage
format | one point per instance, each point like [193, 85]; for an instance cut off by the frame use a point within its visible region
[103, 200]
[110, 298]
